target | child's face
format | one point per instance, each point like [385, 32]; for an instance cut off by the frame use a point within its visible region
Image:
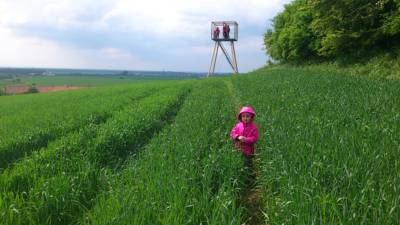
[246, 117]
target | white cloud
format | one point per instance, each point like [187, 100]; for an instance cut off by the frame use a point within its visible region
[188, 18]
[36, 52]
[30, 51]
[28, 27]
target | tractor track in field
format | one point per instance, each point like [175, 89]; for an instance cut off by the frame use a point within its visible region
[167, 118]
[157, 126]
[42, 140]
[235, 98]
[251, 195]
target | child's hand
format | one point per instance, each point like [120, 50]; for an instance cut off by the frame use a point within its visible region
[241, 138]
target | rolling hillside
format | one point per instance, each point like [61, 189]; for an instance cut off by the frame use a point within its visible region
[158, 152]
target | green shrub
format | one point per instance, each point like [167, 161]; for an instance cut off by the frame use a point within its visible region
[32, 89]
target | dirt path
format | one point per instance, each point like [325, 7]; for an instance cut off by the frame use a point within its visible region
[232, 93]
[251, 201]
[251, 195]
[21, 89]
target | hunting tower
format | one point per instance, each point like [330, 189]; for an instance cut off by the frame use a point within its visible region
[224, 31]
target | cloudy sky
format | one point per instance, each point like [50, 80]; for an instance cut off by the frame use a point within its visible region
[129, 34]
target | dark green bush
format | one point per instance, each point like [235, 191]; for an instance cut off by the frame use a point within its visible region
[32, 89]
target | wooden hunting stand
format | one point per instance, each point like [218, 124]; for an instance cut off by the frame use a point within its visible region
[230, 37]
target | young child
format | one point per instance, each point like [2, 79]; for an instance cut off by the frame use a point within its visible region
[245, 134]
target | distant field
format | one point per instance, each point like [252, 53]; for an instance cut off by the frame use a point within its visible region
[89, 80]
[5, 82]
[74, 80]
[158, 152]
[71, 80]
[59, 82]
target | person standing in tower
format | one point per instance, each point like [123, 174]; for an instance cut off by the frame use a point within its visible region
[226, 29]
[216, 32]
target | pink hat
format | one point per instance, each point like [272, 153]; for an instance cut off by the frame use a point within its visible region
[246, 109]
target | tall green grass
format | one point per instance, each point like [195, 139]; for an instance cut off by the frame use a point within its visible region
[188, 174]
[329, 152]
[383, 66]
[29, 122]
[59, 183]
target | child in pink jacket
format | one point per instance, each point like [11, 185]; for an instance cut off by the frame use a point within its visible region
[245, 134]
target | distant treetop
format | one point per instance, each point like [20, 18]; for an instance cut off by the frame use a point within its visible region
[329, 30]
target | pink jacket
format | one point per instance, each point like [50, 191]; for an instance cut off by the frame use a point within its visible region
[248, 130]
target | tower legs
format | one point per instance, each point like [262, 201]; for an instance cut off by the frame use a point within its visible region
[213, 60]
[234, 57]
[232, 61]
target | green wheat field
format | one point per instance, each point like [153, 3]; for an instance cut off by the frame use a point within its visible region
[158, 152]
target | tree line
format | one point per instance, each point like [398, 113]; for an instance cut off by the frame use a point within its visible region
[325, 30]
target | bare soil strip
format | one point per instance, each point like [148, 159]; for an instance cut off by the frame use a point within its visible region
[41, 89]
